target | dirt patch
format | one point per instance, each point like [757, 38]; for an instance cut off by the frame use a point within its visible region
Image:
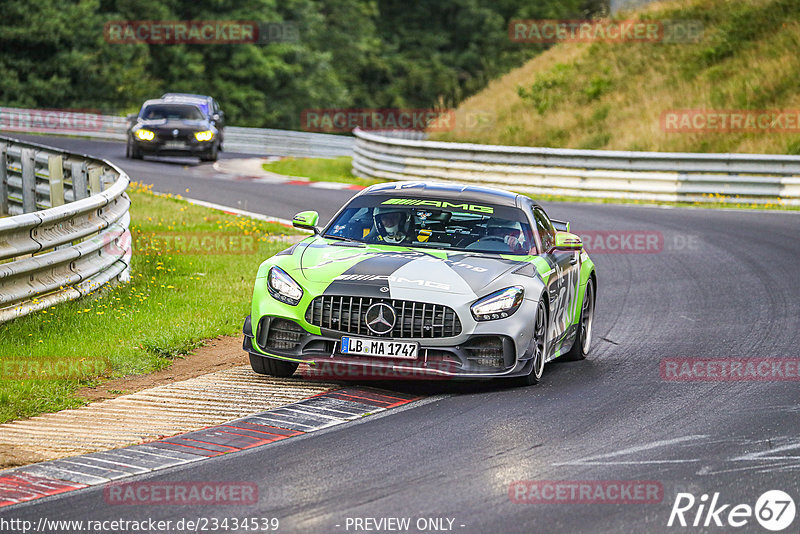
[13, 456]
[223, 352]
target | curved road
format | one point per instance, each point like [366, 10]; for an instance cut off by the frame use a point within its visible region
[725, 284]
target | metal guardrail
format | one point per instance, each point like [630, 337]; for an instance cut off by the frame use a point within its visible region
[68, 230]
[256, 141]
[736, 178]
[267, 142]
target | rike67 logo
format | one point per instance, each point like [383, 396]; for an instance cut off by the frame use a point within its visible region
[774, 510]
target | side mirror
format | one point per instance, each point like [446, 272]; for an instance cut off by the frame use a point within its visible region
[215, 117]
[307, 220]
[567, 241]
[132, 117]
[561, 226]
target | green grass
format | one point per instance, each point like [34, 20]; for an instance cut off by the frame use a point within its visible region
[320, 170]
[173, 302]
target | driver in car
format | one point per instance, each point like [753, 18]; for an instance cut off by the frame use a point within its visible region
[391, 225]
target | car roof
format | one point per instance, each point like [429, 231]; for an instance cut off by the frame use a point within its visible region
[445, 191]
[158, 101]
[204, 103]
[186, 95]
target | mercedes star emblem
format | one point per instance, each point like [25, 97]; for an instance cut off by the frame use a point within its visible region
[174, 133]
[380, 318]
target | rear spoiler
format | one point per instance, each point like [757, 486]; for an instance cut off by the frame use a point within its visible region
[561, 226]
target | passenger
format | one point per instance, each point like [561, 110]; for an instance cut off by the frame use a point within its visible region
[509, 231]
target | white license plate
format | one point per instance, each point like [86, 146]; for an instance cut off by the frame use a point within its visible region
[174, 144]
[377, 347]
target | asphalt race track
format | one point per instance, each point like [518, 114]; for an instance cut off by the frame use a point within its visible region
[721, 284]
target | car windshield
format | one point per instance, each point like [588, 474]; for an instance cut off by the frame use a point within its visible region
[202, 104]
[172, 111]
[424, 223]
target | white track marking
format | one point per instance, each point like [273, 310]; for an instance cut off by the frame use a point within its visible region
[597, 460]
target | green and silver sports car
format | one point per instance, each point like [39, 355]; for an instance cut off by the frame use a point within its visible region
[425, 280]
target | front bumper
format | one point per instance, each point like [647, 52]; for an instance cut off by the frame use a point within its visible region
[157, 148]
[475, 355]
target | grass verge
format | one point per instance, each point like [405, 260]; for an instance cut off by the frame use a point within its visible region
[183, 290]
[320, 170]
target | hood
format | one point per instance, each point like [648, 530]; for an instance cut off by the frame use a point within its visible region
[391, 271]
[171, 124]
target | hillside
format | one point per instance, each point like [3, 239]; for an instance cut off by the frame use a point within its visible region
[612, 95]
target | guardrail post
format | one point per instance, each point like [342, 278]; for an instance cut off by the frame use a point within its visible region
[79, 187]
[28, 180]
[56, 166]
[3, 179]
[94, 180]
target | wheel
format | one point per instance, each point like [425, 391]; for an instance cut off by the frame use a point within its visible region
[211, 155]
[540, 342]
[132, 152]
[268, 366]
[583, 339]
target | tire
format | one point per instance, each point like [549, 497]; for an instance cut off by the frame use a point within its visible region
[583, 339]
[211, 155]
[540, 343]
[132, 152]
[268, 366]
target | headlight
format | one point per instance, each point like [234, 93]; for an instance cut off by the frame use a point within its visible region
[498, 305]
[283, 288]
[205, 135]
[145, 135]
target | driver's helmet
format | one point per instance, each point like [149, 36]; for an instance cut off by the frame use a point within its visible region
[393, 224]
[509, 231]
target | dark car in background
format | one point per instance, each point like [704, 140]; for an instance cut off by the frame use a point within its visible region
[170, 128]
[207, 105]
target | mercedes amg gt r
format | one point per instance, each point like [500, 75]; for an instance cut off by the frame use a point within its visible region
[427, 280]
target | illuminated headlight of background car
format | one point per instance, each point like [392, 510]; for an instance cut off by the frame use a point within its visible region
[205, 135]
[283, 288]
[498, 305]
[145, 135]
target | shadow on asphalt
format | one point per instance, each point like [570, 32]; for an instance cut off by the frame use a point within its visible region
[448, 386]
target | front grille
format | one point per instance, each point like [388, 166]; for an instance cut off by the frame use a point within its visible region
[414, 319]
[486, 351]
[166, 135]
[284, 335]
